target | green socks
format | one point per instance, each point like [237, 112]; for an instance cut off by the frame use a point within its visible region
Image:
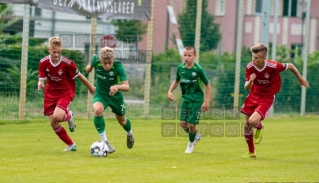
[99, 123]
[191, 136]
[127, 126]
[186, 130]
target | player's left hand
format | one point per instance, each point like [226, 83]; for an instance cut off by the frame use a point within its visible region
[303, 82]
[92, 90]
[204, 107]
[40, 85]
[170, 96]
[113, 90]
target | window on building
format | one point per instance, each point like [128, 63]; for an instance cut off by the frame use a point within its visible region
[289, 8]
[296, 50]
[220, 7]
[258, 6]
[89, 18]
[37, 12]
[270, 48]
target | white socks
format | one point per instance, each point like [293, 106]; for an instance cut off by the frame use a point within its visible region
[103, 136]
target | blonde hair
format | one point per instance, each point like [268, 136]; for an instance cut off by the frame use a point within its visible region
[106, 53]
[55, 42]
[259, 48]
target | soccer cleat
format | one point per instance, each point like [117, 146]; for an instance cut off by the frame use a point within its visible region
[197, 138]
[250, 155]
[111, 148]
[258, 135]
[71, 122]
[130, 141]
[71, 147]
[190, 147]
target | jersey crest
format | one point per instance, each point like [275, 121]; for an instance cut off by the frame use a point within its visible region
[194, 74]
[266, 75]
[60, 72]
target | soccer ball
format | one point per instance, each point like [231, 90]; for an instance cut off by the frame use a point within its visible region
[99, 149]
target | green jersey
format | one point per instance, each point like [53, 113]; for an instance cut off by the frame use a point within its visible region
[105, 79]
[191, 82]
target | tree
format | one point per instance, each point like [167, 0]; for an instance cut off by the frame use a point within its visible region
[129, 31]
[210, 34]
[10, 70]
[6, 10]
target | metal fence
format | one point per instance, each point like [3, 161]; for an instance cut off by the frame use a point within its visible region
[151, 50]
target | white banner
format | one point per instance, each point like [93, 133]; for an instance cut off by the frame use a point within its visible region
[114, 9]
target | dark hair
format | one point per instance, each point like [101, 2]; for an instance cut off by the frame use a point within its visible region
[190, 48]
[259, 48]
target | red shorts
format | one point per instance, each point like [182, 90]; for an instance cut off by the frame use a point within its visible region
[258, 103]
[51, 103]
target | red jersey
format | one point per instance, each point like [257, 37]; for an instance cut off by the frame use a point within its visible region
[60, 77]
[268, 80]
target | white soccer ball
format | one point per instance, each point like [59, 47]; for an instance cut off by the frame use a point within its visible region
[99, 149]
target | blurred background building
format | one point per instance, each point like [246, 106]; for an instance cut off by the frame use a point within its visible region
[174, 25]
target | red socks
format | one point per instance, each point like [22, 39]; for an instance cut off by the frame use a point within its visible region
[60, 131]
[67, 116]
[259, 125]
[250, 142]
[249, 137]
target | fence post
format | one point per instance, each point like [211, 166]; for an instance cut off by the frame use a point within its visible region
[147, 84]
[91, 75]
[274, 45]
[238, 52]
[198, 28]
[24, 61]
[305, 59]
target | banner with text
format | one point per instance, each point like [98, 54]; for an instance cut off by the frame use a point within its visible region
[114, 9]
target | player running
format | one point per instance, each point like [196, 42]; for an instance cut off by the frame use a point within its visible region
[191, 76]
[263, 80]
[110, 82]
[59, 73]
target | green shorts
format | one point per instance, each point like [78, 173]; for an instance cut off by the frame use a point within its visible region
[115, 103]
[190, 112]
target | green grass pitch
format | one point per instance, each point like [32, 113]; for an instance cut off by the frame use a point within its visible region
[30, 152]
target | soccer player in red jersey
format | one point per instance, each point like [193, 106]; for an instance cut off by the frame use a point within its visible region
[263, 80]
[59, 73]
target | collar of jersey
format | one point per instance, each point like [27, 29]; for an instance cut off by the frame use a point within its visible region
[189, 68]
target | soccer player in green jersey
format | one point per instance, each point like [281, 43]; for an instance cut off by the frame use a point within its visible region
[110, 82]
[190, 76]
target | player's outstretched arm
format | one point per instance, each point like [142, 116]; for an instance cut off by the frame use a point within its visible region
[302, 80]
[87, 83]
[171, 89]
[205, 105]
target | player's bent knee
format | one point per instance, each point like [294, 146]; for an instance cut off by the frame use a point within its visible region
[98, 111]
[54, 124]
[252, 121]
[122, 122]
[191, 127]
[57, 118]
[183, 124]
